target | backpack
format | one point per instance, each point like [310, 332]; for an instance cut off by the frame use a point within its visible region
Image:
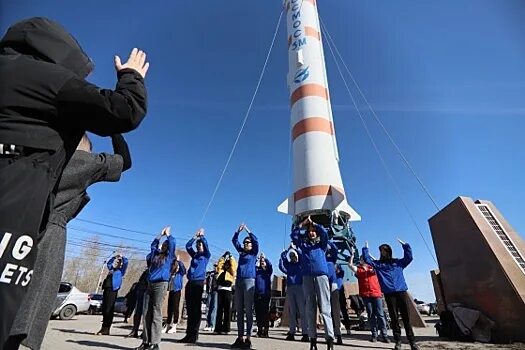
[448, 328]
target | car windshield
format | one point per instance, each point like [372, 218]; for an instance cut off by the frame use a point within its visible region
[96, 297]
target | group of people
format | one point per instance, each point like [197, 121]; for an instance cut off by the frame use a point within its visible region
[47, 164]
[310, 264]
[314, 281]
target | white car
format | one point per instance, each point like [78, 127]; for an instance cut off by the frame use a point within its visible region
[70, 301]
[95, 303]
[422, 307]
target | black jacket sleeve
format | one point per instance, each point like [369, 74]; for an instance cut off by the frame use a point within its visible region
[101, 111]
[120, 147]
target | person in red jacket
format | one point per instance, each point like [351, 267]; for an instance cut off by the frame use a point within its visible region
[370, 291]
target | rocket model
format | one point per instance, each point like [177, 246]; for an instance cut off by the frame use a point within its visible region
[318, 187]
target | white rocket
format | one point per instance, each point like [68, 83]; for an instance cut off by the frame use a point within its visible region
[318, 187]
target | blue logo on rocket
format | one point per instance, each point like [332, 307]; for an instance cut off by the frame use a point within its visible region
[301, 75]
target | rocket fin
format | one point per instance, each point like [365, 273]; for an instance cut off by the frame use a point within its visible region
[287, 207]
[340, 204]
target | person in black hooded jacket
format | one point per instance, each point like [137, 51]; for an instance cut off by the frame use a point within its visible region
[46, 105]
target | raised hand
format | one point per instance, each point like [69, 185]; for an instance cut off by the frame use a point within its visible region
[366, 244]
[166, 231]
[136, 61]
[241, 227]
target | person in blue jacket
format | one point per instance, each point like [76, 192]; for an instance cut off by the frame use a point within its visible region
[159, 261]
[195, 285]
[294, 292]
[331, 262]
[392, 281]
[316, 288]
[245, 285]
[117, 266]
[178, 270]
[263, 291]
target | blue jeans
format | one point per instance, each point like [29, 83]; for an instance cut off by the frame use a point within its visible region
[317, 294]
[212, 310]
[244, 294]
[376, 314]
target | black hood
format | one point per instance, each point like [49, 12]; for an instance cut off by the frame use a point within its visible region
[46, 40]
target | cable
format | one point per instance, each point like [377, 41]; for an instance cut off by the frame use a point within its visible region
[400, 153]
[80, 229]
[383, 163]
[244, 121]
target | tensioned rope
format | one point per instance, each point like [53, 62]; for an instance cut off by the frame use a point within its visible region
[391, 139]
[244, 121]
[383, 163]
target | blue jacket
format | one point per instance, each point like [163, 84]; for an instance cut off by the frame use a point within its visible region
[197, 270]
[118, 273]
[312, 255]
[263, 279]
[247, 260]
[331, 259]
[340, 278]
[390, 273]
[177, 278]
[293, 271]
[160, 270]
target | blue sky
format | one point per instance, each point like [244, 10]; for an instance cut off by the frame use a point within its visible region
[446, 78]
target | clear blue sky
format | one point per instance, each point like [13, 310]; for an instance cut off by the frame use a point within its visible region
[447, 79]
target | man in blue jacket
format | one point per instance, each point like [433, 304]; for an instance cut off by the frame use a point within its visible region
[263, 291]
[390, 274]
[245, 285]
[294, 293]
[195, 285]
[316, 287]
[117, 266]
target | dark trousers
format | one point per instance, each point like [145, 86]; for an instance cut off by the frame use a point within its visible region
[25, 187]
[137, 316]
[262, 311]
[344, 309]
[193, 295]
[398, 304]
[108, 307]
[130, 306]
[173, 306]
[223, 311]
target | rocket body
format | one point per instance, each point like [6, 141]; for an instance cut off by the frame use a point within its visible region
[317, 181]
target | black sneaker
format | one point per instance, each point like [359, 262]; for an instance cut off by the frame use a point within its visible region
[238, 344]
[290, 336]
[305, 338]
[413, 346]
[385, 339]
[247, 344]
[153, 347]
[398, 345]
[143, 346]
[339, 340]
[373, 339]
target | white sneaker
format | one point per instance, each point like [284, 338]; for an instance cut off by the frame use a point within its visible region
[164, 328]
[172, 329]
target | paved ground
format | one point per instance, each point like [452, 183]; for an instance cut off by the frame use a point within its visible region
[78, 334]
